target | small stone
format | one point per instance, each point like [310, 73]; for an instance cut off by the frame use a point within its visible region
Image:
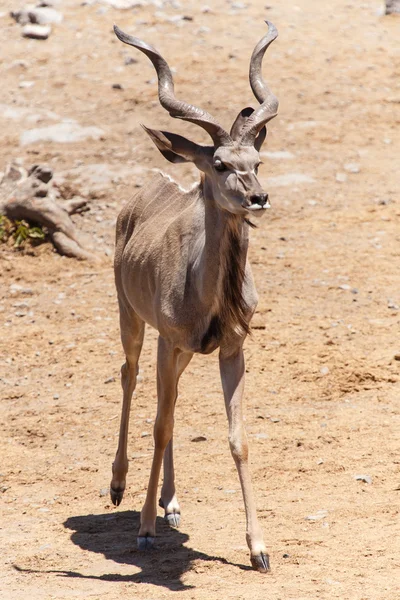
[397, 357]
[36, 32]
[352, 167]
[324, 370]
[345, 287]
[129, 60]
[44, 15]
[365, 478]
[199, 438]
[341, 177]
[145, 434]
[320, 514]
[117, 86]
[26, 84]
[104, 492]
[56, 396]
[110, 380]
[285, 555]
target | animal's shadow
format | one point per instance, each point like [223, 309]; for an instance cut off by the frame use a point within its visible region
[114, 536]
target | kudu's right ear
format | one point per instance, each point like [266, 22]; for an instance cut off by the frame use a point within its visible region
[175, 148]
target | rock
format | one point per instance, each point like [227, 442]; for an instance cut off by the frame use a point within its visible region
[36, 32]
[199, 438]
[104, 492]
[62, 133]
[397, 357]
[352, 167]
[341, 177]
[110, 380]
[365, 478]
[320, 514]
[279, 155]
[289, 179]
[129, 60]
[44, 15]
[324, 370]
[26, 84]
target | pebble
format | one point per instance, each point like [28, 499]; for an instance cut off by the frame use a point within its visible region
[279, 155]
[289, 179]
[145, 434]
[320, 514]
[104, 492]
[397, 357]
[110, 380]
[199, 438]
[365, 478]
[261, 436]
[44, 15]
[352, 167]
[324, 370]
[341, 177]
[36, 32]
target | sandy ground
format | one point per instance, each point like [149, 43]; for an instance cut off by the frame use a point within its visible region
[322, 386]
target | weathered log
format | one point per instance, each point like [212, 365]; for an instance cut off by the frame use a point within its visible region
[28, 196]
[392, 7]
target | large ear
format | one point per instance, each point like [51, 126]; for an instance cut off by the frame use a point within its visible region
[239, 126]
[175, 148]
[239, 123]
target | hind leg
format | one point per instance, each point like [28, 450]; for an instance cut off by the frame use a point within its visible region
[132, 332]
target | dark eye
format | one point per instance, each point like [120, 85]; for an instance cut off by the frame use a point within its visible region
[256, 168]
[219, 166]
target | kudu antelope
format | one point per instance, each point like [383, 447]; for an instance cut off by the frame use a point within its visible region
[181, 265]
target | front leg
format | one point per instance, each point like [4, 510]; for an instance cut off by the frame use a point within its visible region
[232, 376]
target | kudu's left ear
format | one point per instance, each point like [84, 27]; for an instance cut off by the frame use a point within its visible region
[175, 148]
[240, 124]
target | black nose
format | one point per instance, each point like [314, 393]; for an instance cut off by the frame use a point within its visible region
[260, 199]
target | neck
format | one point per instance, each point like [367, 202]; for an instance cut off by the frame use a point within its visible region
[222, 264]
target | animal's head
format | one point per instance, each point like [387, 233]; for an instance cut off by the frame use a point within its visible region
[231, 164]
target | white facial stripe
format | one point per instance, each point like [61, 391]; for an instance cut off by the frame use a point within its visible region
[246, 172]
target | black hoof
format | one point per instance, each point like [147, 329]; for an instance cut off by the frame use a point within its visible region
[145, 542]
[116, 496]
[260, 562]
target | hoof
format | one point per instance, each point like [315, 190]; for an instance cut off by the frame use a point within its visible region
[260, 562]
[116, 496]
[145, 542]
[173, 519]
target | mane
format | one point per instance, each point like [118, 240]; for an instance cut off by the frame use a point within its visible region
[233, 309]
[231, 316]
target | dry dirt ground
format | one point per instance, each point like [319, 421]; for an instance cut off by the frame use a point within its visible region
[323, 382]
